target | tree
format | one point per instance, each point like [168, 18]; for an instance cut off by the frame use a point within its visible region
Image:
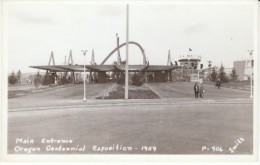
[18, 76]
[213, 75]
[222, 74]
[37, 80]
[12, 78]
[233, 74]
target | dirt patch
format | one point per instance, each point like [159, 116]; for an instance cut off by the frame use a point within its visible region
[118, 92]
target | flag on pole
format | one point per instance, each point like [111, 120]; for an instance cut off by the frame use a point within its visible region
[92, 62]
[250, 52]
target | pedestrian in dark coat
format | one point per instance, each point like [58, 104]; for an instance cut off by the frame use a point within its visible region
[196, 90]
[218, 83]
[202, 90]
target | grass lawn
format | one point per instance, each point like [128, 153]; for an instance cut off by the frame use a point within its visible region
[243, 85]
[26, 89]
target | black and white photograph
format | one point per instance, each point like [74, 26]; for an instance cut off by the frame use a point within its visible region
[129, 80]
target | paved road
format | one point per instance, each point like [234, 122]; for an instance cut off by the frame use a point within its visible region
[185, 90]
[62, 96]
[172, 129]
[177, 124]
[73, 95]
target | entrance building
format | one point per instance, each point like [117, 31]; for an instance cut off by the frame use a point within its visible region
[111, 73]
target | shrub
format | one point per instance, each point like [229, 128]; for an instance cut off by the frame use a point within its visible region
[48, 79]
[137, 80]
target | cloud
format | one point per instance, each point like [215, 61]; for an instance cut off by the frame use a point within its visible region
[165, 8]
[195, 28]
[112, 10]
[31, 18]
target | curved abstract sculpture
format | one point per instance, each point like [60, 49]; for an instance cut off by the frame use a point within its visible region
[130, 42]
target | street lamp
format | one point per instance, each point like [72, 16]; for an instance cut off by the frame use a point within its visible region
[84, 77]
[251, 76]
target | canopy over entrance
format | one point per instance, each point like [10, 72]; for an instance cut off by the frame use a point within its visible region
[104, 68]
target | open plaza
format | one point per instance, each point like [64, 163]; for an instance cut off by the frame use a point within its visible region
[176, 123]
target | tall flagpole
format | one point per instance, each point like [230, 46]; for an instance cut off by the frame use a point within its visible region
[126, 61]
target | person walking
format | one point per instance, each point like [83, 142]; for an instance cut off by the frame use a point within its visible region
[196, 90]
[202, 90]
[218, 83]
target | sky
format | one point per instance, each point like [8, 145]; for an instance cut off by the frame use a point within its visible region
[218, 32]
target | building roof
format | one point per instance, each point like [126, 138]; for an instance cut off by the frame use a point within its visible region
[80, 68]
[190, 57]
[132, 67]
[160, 67]
[50, 68]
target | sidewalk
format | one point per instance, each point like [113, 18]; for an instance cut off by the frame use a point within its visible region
[131, 102]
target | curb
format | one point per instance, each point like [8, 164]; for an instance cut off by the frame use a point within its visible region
[94, 104]
[156, 92]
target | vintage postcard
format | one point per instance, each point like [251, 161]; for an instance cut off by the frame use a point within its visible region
[129, 81]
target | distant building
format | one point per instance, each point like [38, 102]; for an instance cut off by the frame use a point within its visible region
[243, 69]
[190, 61]
[191, 68]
